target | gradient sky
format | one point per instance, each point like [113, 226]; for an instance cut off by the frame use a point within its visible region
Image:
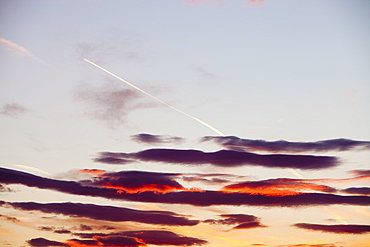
[88, 160]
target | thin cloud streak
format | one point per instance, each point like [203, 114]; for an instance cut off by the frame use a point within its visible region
[337, 229]
[233, 142]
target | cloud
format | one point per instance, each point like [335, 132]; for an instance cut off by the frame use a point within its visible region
[108, 213]
[338, 229]
[236, 143]
[357, 190]
[137, 181]
[310, 245]
[243, 221]
[44, 242]
[157, 139]
[108, 103]
[13, 110]
[15, 48]
[195, 198]
[9, 218]
[277, 187]
[155, 237]
[223, 158]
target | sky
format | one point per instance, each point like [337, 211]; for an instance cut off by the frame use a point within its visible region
[218, 123]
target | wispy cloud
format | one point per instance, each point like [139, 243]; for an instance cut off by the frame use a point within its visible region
[236, 143]
[157, 139]
[242, 221]
[338, 229]
[15, 48]
[109, 103]
[222, 158]
[13, 110]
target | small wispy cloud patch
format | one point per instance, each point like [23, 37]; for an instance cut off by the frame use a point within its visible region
[242, 221]
[13, 110]
[157, 139]
[109, 103]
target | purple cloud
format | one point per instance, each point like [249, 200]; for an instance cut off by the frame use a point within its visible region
[13, 110]
[224, 158]
[236, 143]
[108, 213]
[156, 139]
[338, 229]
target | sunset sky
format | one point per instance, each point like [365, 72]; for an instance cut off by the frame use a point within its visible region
[220, 123]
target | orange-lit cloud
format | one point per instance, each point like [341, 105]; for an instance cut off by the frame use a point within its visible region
[276, 187]
[15, 48]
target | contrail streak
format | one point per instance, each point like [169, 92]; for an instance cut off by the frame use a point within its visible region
[139, 89]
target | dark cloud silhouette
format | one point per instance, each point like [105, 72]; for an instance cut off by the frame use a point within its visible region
[338, 229]
[224, 158]
[155, 237]
[13, 110]
[236, 143]
[109, 103]
[243, 221]
[249, 225]
[45, 242]
[137, 181]
[357, 190]
[232, 219]
[157, 139]
[63, 231]
[196, 198]
[108, 213]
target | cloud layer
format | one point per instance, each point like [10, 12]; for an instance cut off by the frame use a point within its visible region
[222, 158]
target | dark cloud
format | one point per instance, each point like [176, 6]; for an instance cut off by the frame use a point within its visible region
[138, 181]
[196, 198]
[62, 231]
[109, 103]
[9, 218]
[236, 143]
[277, 187]
[45, 242]
[13, 110]
[157, 139]
[108, 213]
[243, 221]
[357, 190]
[338, 229]
[232, 219]
[225, 158]
[154, 237]
[249, 225]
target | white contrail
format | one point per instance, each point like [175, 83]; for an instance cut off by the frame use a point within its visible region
[139, 89]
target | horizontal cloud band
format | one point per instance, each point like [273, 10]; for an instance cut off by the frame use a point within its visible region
[223, 158]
